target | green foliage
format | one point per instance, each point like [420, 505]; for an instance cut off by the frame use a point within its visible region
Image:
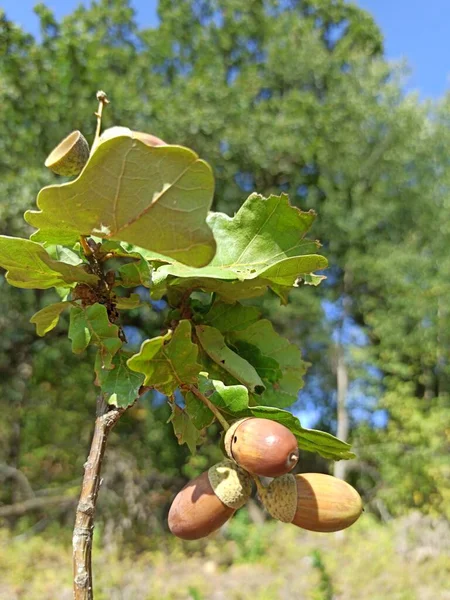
[128, 191]
[289, 98]
[29, 266]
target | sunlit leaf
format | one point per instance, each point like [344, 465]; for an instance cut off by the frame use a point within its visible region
[118, 382]
[154, 197]
[261, 334]
[262, 245]
[48, 318]
[30, 266]
[91, 325]
[168, 361]
[213, 343]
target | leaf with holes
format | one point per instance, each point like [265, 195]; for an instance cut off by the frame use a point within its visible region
[29, 265]
[168, 361]
[155, 197]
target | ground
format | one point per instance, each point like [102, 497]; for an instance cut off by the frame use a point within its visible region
[407, 559]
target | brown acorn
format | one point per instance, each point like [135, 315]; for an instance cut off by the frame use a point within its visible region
[69, 156]
[262, 447]
[209, 500]
[312, 501]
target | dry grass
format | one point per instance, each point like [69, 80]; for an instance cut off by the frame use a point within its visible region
[405, 560]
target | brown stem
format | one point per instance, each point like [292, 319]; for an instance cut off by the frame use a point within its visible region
[107, 417]
[84, 520]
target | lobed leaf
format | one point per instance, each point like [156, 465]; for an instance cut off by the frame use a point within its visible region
[168, 361]
[29, 265]
[155, 197]
[184, 429]
[213, 343]
[262, 245]
[119, 382]
[48, 318]
[91, 324]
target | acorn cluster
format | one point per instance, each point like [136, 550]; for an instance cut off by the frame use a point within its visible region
[260, 447]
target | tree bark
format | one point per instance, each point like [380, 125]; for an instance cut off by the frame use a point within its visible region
[84, 520]
[343, 421]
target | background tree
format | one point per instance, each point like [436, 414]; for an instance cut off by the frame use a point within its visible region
[293, 97]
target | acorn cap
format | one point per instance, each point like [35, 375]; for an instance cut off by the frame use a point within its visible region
[231, 484]
[280, 498]
[69, 156]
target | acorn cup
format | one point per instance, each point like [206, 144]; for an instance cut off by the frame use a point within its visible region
[69, 156]
[262, 447]
[312, 501]
[209, 500]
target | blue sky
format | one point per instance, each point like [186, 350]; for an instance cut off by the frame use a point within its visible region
[415, 30]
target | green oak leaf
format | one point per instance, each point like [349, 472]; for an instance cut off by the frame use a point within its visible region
[283, 392]
[228, 291]
[155, 197]
[29, 265]
[132, 301]
[232, 400]
[184, 429]
[134, 274]
[48, 318]
[64, 254]
[168, 361]
[119, 382]
[199, 413]
[231, 317]
[263, 244]
[91, 325]
[213, 343]
[311, 440]
[266, 367]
